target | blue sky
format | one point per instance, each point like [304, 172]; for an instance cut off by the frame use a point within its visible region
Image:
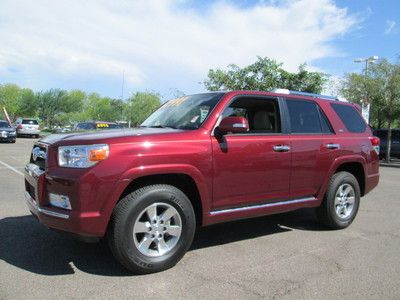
[168, 45]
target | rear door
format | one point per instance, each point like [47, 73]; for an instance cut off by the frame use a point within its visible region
[313, 144]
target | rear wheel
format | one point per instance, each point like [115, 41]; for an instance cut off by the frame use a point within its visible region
[152, 228]
[341, 201]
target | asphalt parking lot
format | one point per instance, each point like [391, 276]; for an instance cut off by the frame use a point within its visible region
[282, 256]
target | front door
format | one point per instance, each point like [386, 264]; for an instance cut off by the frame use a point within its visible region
[254, 167]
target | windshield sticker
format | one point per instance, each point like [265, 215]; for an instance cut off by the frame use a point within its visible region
[176, 102]
[194, 119]
[101, 125]
[203, 113]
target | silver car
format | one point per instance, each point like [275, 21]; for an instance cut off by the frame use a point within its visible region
[27, 126]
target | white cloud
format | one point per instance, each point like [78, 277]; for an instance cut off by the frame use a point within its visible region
[390, 27]
[160, 38]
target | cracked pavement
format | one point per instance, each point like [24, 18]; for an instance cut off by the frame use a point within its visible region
[286, 256]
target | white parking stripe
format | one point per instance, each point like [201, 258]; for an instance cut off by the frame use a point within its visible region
[11, 168]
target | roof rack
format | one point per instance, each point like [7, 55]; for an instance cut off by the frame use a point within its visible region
[297, 93]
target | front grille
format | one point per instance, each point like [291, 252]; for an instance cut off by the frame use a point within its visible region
[39, 156]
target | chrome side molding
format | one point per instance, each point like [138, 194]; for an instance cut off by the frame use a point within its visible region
[259, 206]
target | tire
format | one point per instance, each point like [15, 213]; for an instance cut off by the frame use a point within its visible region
[144, 247]
[336, 211]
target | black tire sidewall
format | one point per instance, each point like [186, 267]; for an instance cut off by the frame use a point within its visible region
[165, 194]
[338, 180]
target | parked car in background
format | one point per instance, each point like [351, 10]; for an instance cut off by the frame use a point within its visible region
[95, 125]
[7, 132]
[28, 126]
[394, 145]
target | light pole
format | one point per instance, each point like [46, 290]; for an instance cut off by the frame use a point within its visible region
[365, 107]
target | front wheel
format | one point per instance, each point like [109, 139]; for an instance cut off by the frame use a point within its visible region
[152, 228]
[341, 201]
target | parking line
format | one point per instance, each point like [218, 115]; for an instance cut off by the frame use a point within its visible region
[11, 168]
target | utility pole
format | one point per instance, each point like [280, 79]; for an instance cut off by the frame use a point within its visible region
[366, 105]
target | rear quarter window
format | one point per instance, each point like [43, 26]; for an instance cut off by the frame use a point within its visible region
[350, 117]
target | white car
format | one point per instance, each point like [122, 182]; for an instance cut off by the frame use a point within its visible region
[27, 126]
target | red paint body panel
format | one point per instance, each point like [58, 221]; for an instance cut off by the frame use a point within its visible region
[242, 171]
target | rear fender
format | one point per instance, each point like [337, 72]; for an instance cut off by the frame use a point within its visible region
[336, 164]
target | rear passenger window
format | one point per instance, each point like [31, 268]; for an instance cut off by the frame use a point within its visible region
[350, 117]
[305, 117]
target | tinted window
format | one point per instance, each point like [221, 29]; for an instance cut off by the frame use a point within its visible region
[395, 135]
[4, 124]
[85, 126]
[325, 125]
[114, 126]
[30, 122]
[304, 117]
[350, 117]
[382, 134]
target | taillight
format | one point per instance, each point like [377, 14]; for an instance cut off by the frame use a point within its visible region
[19, 126]
[375, 142]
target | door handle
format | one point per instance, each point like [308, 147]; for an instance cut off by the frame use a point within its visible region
[281, 148]
[333, 146]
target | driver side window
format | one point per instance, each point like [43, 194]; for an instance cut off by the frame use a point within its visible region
[262, 114]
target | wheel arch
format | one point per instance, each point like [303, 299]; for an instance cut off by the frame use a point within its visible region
[185, 177]
[182, 181]
[352, 164]
[357, 170]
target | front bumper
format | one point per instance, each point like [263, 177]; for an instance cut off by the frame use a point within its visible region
[37, 186]
[7, 136]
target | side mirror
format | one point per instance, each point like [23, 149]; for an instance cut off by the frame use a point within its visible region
[234, 125]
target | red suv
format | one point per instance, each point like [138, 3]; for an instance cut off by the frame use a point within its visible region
[200, 160]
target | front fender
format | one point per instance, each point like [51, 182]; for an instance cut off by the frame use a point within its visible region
[132, 174]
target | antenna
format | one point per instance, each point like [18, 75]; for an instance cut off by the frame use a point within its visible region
[123, 83]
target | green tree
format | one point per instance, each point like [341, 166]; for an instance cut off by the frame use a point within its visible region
[101, 108]
[51, 103]
[28, 103]
[265, 74]
[381, 88]
[141, 105]
[10, 98]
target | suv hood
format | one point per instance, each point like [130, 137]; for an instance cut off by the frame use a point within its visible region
[8, 129]
[104, 134]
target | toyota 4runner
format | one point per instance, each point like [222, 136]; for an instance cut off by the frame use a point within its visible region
[200, 160]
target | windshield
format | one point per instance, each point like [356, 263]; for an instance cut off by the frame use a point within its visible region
[4, 124]
[187, 112]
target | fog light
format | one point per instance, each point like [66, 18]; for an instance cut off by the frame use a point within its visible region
[59, 201]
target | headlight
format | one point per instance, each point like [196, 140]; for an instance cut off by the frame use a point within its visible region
[82, 156]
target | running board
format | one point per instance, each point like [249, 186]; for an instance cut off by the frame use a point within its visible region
[260, 206]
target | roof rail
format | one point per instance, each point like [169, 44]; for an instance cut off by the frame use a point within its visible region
[289, 92]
